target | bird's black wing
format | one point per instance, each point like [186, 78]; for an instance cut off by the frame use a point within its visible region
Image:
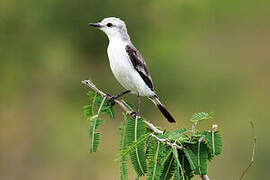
[140, 65]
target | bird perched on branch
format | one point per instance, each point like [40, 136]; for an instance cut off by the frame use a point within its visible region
[128, 65]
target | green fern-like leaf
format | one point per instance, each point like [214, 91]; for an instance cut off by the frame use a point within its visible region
[189, 158]
[188, 172]
[135, 129]
[179, 173]
[94, 121]
[157, 152]
[214, 143]
[99, 122]
[123, 160]
[106, 108]
[197, 117]
[95, 142]
[197, 156]
[99, 105]
[91, 95]
[88, 110]
[132, 147]
[93, 135]
[148, 145]
[169, 167]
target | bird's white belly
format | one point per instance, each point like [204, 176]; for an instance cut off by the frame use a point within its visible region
[124, 72]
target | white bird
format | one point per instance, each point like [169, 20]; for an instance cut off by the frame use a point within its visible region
[127, 64]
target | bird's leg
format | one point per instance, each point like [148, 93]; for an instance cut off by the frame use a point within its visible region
[137, 113]
[112, 98]
[138, 105]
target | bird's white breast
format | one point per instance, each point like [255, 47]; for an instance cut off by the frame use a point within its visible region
[124, 71]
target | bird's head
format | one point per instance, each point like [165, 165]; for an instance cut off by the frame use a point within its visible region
[113, 27]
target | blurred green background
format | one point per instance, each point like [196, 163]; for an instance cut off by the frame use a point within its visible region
[203, 56]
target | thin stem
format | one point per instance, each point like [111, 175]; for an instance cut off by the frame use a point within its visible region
[166, 141]
[93, 87]
[153, 128]
[204, 177]
[253, 152]
[103, 100]
[138, 105]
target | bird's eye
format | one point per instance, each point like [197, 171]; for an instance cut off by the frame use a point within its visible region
[109, 24]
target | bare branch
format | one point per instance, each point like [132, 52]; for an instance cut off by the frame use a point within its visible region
[253, 152]
[153, 128]
[93, 87]
[166, 141]
[204, 177]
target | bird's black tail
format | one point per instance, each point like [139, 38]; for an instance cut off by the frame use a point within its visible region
[162, 109]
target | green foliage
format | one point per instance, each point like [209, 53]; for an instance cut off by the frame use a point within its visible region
[135, 129]
[156, 155]
[158, 151]
[106, 108]
[197, 117]
[179, 173]
[169, 167]
[189, 172]
[93, 135]
[123, 160]
[98, 105]
[214, 143]
[132, 147]
[197, 156]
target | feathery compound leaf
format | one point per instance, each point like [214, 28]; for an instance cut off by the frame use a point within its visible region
[156, 154]
[88, 110]
[197, 117]
[91, 95]
[179, 174]
[188, 156]
[148, 144]
[123, 160]
[197, 156]
[101, 106]
[94, 123]
[106, 108]
[95, 142]
[169, 167]
[214, 143]
[135, 129]
[93, 135]
[99, 122]
[132, 147]
[188, 172]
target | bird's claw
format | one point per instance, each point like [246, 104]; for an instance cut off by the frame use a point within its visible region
[135, 114]
[110, 99]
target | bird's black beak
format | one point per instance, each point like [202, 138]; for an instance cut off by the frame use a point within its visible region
[94, 25]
